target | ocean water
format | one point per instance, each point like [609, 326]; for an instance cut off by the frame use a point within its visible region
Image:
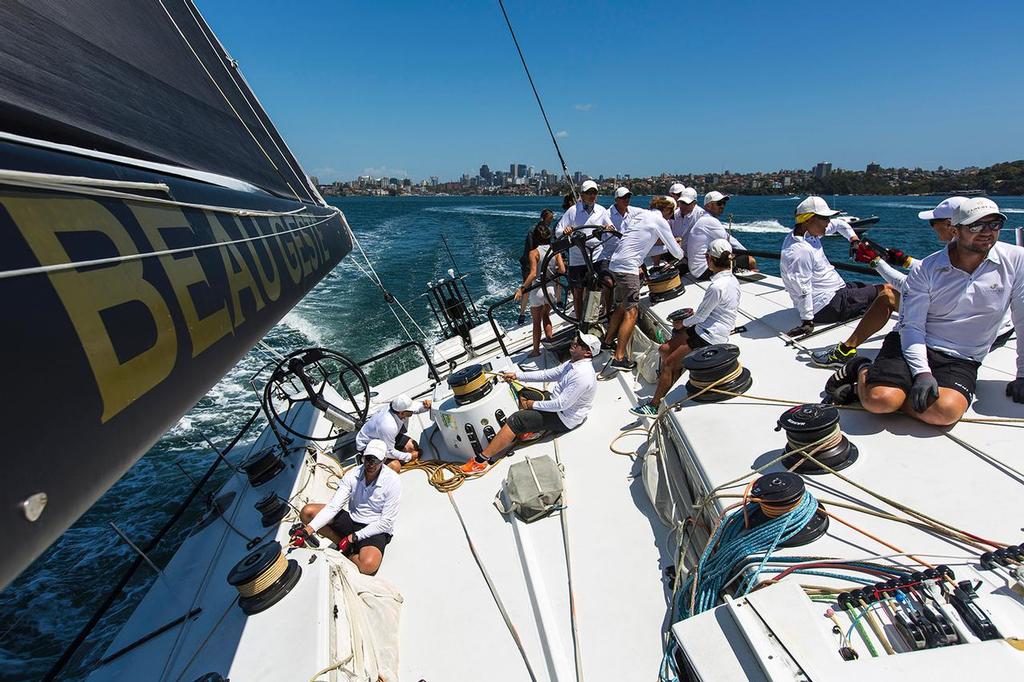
[404, 239]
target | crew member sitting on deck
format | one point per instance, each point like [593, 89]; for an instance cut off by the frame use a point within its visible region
[390, 426]
[360, 518]
[818, 292]
[953, 302]
[712, 323]
[885, 263]
[585, 212]
[569, 405]
[707, 229]
[647, 229]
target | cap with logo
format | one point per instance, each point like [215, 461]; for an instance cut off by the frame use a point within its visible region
[945, 210]
[591, 342]
[688, 196]
[677, 188]
[377, 449]
[714, 196]
[814, 206]
[971, 211]
[588, 185]
[622, 192]
[401, 403]
[719, 246]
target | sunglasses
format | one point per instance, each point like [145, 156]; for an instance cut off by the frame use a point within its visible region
[368, 460]
[994, 225]
[591, 191]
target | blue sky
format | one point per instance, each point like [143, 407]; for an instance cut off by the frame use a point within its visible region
[414, 89]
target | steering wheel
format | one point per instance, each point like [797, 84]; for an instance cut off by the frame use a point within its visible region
[558, 291]
[304, 375]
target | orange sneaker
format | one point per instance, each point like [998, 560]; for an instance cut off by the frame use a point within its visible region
[473, 467]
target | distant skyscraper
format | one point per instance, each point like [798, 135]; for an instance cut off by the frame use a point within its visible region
[485, 172]
[822, 170]
[433, 181]
[512, 171]
[520, 170]
[577, 177]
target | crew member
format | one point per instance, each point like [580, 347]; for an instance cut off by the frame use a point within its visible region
[390, 426]
[644, 232]
[818, 292]
[707, 229]
[686, 216]
[712, 323]
[360, 518]
[953, 302]
[546, 216]
[886, 263]
[585, 212]
[569, 405]
[657, 251]
[540, 308]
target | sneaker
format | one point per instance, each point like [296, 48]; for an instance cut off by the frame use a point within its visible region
[473, 466]
[644, 410]
[833, 356]
[841, 387]
[522, 319]
[623, 365]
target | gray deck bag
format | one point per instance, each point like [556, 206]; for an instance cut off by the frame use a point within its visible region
[533, 489]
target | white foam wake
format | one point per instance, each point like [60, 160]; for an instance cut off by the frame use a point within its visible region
[762, 226]
[484, 210]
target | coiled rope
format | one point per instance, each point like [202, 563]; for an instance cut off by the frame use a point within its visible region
[264, 579]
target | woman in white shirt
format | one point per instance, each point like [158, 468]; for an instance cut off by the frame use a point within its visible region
[540, 309]
[712, 323]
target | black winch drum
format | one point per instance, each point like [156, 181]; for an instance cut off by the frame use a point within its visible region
[272, 509]
[265, 559]
[710, 364]
[779, 490]
[665, 285]
[469, 384]
[263, 465]
[810, 423]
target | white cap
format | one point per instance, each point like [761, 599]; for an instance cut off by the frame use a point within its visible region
[401, 403]
[591, 342]
[688, 196]
[719, 246]
[713, 196]
[945, 209]
[677, 188]
[815, 205]
[622, 192]
[587, 186]
[376, 448]
[973, 210]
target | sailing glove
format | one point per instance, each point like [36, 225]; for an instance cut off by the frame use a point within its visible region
[1015, 390]
[864, 253]
[924, 392]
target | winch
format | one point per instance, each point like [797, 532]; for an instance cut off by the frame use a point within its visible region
[263, 465]
[665, 284]
[263, 577]
[272, 509]
[809, 424]
[715, 367]
[471, 409]
[779, 493]
[470, 384]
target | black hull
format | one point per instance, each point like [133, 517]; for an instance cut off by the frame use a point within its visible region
[103, 359]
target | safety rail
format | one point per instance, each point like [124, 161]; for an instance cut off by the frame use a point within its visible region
[408, 344]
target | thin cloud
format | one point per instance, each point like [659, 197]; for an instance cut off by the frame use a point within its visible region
[584, 107]
[384, 171]
[562, 133]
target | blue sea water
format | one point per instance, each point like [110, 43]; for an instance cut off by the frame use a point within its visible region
[43, 609]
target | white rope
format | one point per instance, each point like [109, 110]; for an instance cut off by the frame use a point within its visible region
[14, 176]
[226, 99]
[58, 267]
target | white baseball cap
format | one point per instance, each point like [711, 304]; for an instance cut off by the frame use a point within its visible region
[591, 342]
[588, 185]
[376, 448]
[815, 205]
[622, 192]
[971, 211]
[677, 188]
[688, 196]
[719, 246]
[401, 403]
[714, 196]
[945, 209]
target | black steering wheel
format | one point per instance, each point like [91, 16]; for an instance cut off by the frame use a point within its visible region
[558, 291]
[304, 375]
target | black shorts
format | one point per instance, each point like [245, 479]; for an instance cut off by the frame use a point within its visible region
[577, 276]
[695, 340]
[343, 525]
[533, 421]
[851, 301]
[891, 369]
[742, 261]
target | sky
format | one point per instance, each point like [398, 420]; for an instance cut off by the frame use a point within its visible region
[414, 89]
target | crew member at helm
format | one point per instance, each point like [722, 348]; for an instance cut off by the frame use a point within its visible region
[390, 426]
[818, 292]
[707, 229]
[710, 324]
[953, 303]
[568, 406]
[361, 516]
[585, 212]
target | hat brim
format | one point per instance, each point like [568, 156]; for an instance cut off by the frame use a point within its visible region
[927, 215]
[828, 214]
[985, 215]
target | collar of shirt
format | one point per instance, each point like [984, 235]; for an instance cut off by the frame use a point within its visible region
[946, 262]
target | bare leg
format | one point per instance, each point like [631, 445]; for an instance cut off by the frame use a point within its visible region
[670, 364]
[577, 302]
[503, 441]
[945, 411]
[394, 464]
[307, 514]
[887, 302]
[546, 320]
[537, 313]
[613, 324]
[625, 331]
[368, 560]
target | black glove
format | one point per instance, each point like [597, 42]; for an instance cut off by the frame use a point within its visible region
[806, 327]
[1015, 390]
[924, 392]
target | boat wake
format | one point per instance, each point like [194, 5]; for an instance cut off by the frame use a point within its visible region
[761, 226]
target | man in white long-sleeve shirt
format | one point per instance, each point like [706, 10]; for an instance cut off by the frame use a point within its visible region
[361, 516]
[649, 228]
[707, 229]
[585, 212]
[390, 425]
[686, 216]
[819, 294]
[953, 303]
[569, 404]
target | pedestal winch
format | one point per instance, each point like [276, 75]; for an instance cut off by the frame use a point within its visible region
[471, 409]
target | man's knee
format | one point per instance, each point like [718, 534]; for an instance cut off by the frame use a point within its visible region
[888, 295]
[664, 349]
[945, 411]
[882, 399]
[395, 465]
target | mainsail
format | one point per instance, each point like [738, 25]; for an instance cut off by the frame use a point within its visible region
[153, 227]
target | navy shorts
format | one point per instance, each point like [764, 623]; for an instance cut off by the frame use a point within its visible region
[891, 369]
[851, 301]
[577, 276]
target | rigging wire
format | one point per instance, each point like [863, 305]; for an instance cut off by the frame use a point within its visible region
[554, 141]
